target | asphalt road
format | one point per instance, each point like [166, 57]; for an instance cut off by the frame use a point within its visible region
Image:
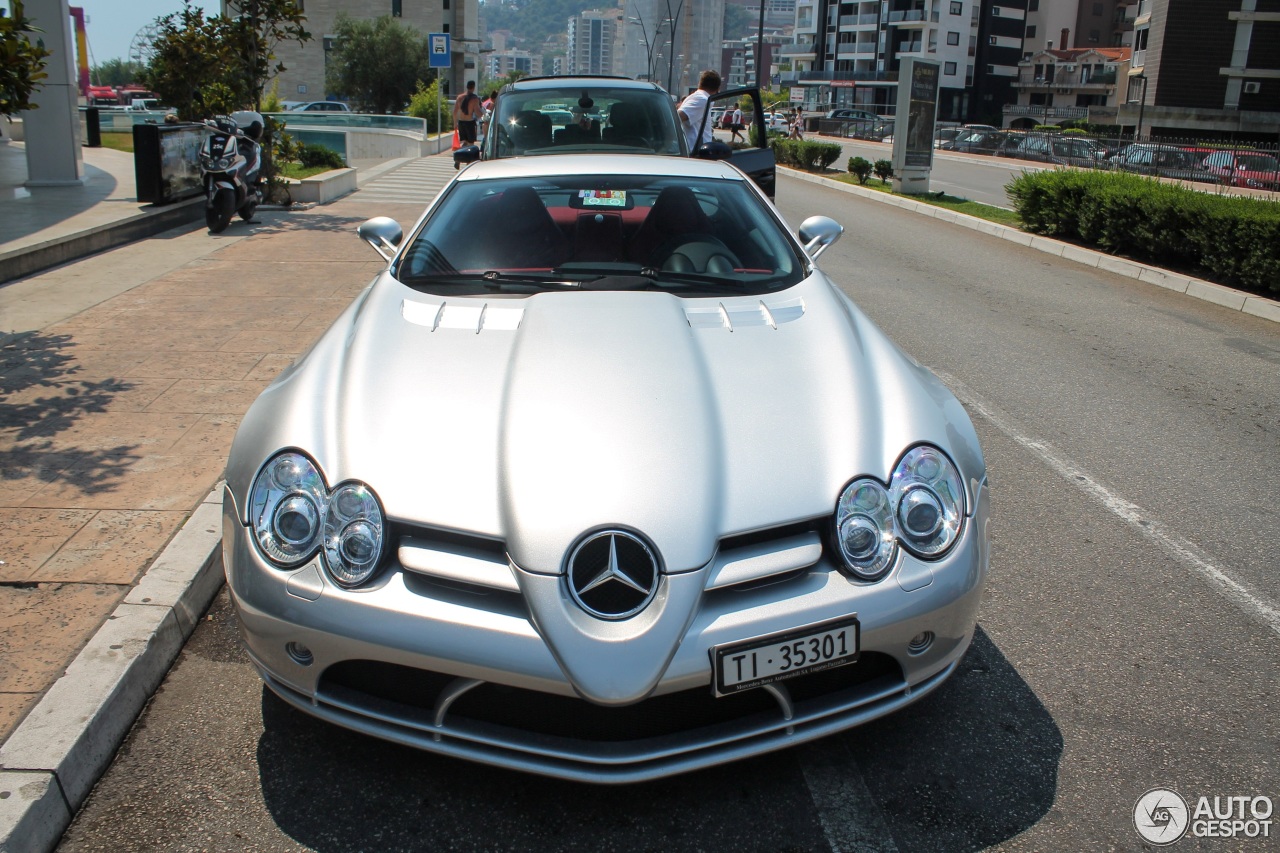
[1129, 637]
[975, 177]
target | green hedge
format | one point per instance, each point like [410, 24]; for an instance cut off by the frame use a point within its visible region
[1232, 240]
[805, 154]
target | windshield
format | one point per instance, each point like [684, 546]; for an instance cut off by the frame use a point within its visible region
[573, 119]
[606, 232]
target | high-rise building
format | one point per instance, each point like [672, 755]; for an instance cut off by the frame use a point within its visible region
[672, 43]
[594, 42]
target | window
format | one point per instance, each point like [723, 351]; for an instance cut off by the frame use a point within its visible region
[949, 69]
[1094, 35]
[957, 8]
[395, 8]
[953, 38]
[1031, 31]
[1033, 5]
[444, 28]
[1097, 9]
[446, 4]
[991, 39]
[995, 11]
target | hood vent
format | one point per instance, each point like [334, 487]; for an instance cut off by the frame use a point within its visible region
[740, 316]
[465, 317]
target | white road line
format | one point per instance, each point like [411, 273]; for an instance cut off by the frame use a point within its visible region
[850, 818]
[1252, 603]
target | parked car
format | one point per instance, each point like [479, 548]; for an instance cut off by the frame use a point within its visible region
[1060, 150]
[320, 106]
[510, 506]
[536, 117]
[1244, 169]
[857, 115]
[1166, 161]
[975, 142]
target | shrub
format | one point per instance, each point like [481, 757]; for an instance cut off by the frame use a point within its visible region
[883, 170]
[317, 155]
[1230, 239]
[860, 167]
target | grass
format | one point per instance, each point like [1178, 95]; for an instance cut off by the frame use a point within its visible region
[960, 205]
[297, 171]
[118, 141]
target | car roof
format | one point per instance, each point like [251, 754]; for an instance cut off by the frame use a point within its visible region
[559, 82]
[650, 165]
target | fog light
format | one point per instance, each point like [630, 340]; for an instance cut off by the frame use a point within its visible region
[920, 643]
[301, 654]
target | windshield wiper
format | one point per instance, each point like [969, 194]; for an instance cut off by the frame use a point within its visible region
[693, 279]
[494, 280]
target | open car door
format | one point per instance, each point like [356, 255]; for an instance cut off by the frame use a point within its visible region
[755, 158]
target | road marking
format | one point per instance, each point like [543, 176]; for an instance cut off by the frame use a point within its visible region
[851, 820]
[1252, 603]
[416, 182]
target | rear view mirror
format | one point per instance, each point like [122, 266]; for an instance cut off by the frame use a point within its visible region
[382, 233]
[819, 232]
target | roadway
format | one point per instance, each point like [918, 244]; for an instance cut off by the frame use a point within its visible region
[1129, 637]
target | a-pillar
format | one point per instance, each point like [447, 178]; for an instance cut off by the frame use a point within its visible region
[52, 132]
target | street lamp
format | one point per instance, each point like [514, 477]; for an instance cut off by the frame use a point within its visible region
[671, 52]
[1142, 105]
[649, 44]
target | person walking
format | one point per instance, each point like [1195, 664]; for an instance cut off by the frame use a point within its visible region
[797, 126]
[693, 110]
[735, 125]
[466, 114]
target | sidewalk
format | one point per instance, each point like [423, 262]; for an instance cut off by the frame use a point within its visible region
[123, 377]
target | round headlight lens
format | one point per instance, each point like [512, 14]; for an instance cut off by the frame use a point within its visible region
[928, 499]
[286, 505]
[353, 534]
[864, 529]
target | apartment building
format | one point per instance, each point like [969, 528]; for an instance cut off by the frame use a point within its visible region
[305, 64]
[1056, 85]
[1204, 67]
[594, 45]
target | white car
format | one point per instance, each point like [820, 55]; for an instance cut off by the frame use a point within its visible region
[602, 478]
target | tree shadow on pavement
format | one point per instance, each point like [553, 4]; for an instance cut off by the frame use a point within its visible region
[970, 766]
[30, 361]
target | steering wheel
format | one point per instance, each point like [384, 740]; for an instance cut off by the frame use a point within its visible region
[700, 253]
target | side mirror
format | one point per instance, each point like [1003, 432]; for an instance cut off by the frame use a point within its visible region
[382, 233]
[465, 156]
[819, 232]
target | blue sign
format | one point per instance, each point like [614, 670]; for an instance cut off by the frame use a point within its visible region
[439, 43]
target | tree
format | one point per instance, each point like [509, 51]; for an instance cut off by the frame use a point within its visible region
[193, 68]
[116, 72]
[259, 26]
[427, 103]
[378, 64]
[21, 62]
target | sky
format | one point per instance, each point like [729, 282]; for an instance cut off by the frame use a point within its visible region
[112, 24]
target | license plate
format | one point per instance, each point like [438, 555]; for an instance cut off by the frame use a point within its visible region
[764, 660]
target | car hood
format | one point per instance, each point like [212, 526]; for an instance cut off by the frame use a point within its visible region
[534, 420]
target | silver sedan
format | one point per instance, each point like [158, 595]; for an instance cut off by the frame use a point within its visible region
[602, 478]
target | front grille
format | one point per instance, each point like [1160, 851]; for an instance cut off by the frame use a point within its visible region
[410, 694]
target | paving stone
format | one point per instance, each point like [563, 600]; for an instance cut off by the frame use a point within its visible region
[45, 625]
[113, 547]
[33, 536]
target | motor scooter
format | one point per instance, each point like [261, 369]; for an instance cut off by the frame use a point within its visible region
[230, 166]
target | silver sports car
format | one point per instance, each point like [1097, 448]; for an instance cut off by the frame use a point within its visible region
[602, 478]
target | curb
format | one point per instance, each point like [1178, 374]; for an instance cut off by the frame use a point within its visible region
[52, 760]
[28, 260]
[1236, 300]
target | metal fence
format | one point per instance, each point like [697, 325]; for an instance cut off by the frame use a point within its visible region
[1223, 162]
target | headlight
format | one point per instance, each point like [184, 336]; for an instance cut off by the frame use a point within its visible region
[864, 529]
[922, 508]
[286, 507]
[928, 500]
[353, 534]
[293, 515]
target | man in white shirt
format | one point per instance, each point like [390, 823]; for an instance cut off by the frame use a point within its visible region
[735, 124]
[693, 109]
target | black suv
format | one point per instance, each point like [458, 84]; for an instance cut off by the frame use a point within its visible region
[575, 114]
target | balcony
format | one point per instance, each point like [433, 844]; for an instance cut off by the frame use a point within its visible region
[913, 17]
[1084, 79]
[803, 51]
[855, 76]
[1041, 112]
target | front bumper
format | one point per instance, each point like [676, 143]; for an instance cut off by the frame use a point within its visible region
[468, 673]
